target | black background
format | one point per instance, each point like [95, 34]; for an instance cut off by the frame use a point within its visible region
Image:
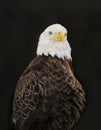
[21, 23]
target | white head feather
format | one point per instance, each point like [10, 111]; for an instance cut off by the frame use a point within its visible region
[48, 45]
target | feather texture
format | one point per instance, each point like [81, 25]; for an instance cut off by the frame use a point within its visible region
[47, 96]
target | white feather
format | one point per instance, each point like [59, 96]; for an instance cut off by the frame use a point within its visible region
[47, 46]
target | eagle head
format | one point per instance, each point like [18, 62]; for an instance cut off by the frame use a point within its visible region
[53, 41]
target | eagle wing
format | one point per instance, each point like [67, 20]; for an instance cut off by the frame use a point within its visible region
[29, 95]
[25, 101]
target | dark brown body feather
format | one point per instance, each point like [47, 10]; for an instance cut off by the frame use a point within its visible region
[47, 96]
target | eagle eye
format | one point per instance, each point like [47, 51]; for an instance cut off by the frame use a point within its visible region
[50, 33]
[65, 34]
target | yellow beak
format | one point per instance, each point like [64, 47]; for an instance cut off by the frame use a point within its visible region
[59, 37]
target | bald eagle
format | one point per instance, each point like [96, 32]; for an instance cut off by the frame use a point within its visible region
[48, 96]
